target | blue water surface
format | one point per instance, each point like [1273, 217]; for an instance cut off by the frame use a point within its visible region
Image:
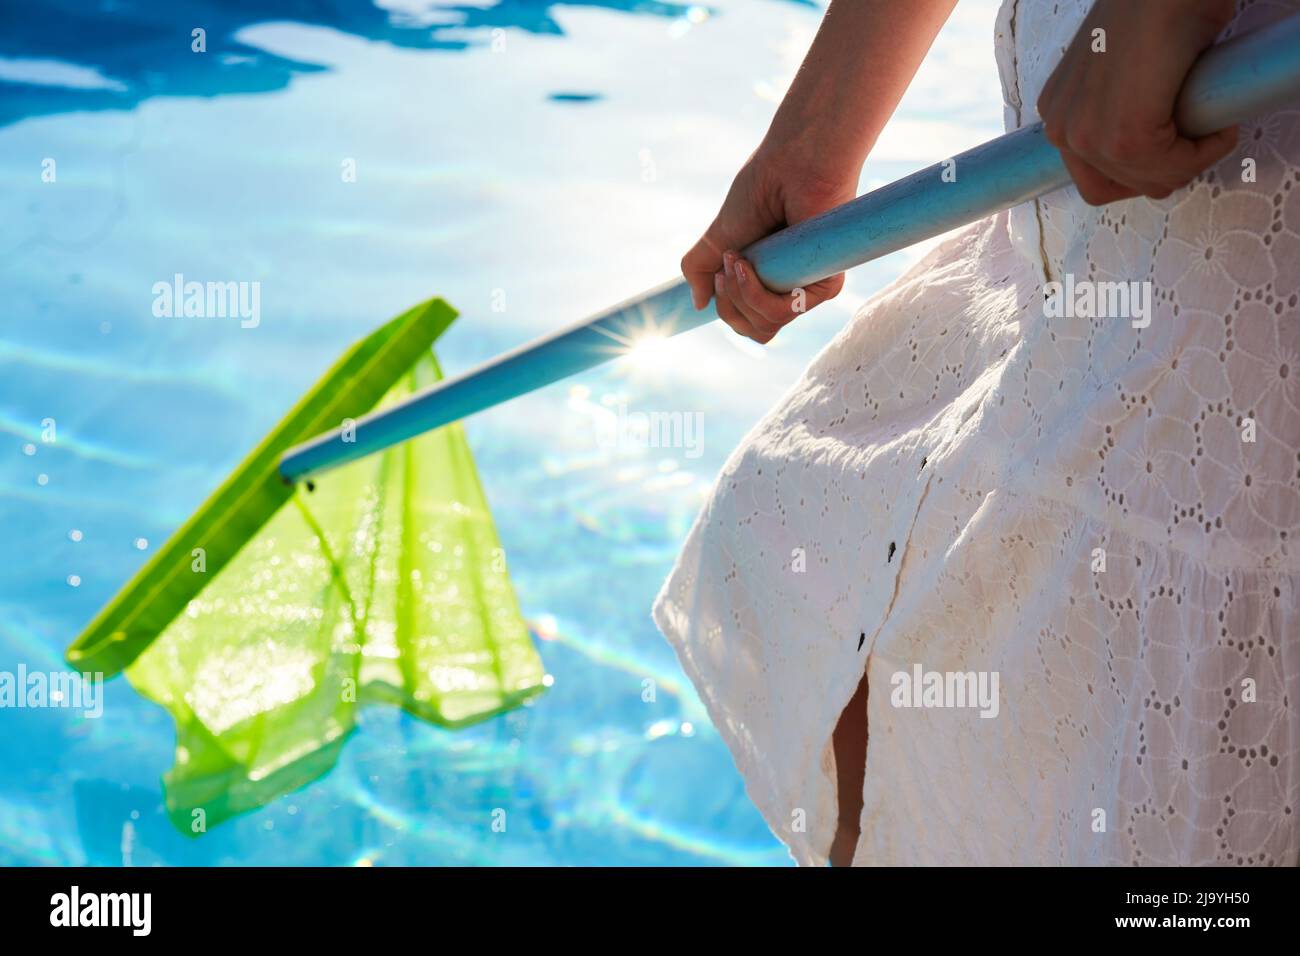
[529, 161]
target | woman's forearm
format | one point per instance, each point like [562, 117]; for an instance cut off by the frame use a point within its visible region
[852, 78]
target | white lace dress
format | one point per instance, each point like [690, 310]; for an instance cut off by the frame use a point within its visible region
[1104, 516]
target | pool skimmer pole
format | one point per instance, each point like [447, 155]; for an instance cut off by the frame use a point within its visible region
[1235, 81]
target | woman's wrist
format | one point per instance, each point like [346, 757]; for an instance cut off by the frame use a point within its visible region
[817, 142]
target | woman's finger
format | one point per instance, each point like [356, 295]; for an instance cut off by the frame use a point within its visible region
[728, 312]
[775, 309]
[817, 293]
[1096, 188]
[764, 331]
[781, 308]
[1173, 167]
[763, 327]
[1188, 158]
[698, 266]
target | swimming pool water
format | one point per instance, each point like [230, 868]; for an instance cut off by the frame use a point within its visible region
[529, 161]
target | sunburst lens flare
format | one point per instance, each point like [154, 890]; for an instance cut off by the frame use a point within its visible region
[652, 353]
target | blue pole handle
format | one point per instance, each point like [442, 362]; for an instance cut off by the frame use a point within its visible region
[1246, 77]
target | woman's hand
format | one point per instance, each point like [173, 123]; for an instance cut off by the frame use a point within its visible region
[864, 56]
[768, 194]
[1111, 113]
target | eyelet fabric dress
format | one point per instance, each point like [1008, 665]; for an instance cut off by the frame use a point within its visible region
[1101, 511]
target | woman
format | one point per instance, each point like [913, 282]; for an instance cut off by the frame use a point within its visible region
[1045, 556]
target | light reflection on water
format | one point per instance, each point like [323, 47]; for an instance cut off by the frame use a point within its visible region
[558, 174]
